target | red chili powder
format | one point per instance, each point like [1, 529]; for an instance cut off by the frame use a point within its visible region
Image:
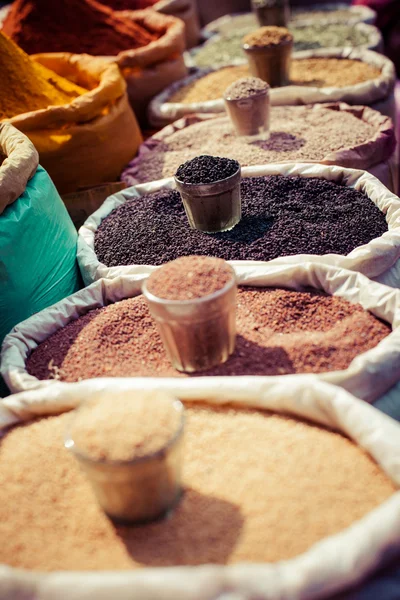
[129, 4]
[79, 26]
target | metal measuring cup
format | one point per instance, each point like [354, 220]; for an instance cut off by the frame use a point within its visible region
[250, 116]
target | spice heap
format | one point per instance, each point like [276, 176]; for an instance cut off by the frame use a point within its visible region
[338, 35]
[268, 36]
[207, 169]
[40, 26]
[189, 277]
[227, 48]
[117, 429]
[298, 133]
[315, 72]
[245, 88]
[26, 85]
[202, 334]
[129, 4]
[228, 514]
[278, 332]
[334, 14]
[281, 216]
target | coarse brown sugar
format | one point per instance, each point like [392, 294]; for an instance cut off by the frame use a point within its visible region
[313, 72]
[268, 36]
[297, 133]
[278, 332]
[189, 277]
[117, 429]
[250, 477]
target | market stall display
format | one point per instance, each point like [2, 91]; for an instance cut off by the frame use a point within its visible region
[106, 330]
[354, 137]
[145, 44]
[110, 247]
[353, 76]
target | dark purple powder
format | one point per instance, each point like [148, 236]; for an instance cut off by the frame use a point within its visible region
[207, 169]
[282, 216]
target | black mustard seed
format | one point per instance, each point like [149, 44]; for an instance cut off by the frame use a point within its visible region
[281, 216]
[207, 169]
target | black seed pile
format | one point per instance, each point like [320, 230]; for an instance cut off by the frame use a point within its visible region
[207, 169]
[282, 216]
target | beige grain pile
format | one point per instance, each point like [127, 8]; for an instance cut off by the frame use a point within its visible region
[259, 487]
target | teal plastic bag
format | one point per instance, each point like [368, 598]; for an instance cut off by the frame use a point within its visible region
[38, 265]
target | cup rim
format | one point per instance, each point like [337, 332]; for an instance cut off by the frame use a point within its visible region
[204, 185]
[249, 48]
[255, 95]
[70, 445]
[195, 301]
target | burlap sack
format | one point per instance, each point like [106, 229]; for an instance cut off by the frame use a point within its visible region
[379, 259]
[368, 376]
[88, 141]
[186, 10]
[377, 155]
[18, 163]
[377, 93]
[329, 566]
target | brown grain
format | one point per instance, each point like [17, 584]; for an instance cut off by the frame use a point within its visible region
[279, 331]
[314, 72]
[113, 428]
[259, 487]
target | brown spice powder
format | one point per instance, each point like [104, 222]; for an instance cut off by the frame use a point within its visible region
[259, 487]
[268, 36]
[117, 429]
[189, 277]
[278, 332]
[315, 72]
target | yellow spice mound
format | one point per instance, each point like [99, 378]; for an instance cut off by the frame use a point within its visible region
[26, 85]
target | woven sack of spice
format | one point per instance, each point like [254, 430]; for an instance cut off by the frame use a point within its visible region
[90, 140]
[34, 272]
[376, 155]
[369, 374]
[186, 10]
[335, 563]
[377, 259]
[378, 93]
[149, 69]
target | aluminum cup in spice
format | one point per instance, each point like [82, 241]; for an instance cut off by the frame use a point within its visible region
[247, 103]
[193, 301]
[130, 449]
[210, 190]
[271, 12]
[268, 51]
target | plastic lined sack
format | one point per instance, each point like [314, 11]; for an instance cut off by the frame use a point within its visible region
[38, 263]
[329, 566]
[379, 259]
[90, 140]
[377, 155]
[377, 93]
[368, 376]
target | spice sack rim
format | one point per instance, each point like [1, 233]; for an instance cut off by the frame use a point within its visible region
[111, 87]
[368, 376]
[332, 564]
[376, 90]
[362, 14]
[365, 155]
[19, 166]
[380, 258]
[171, 42]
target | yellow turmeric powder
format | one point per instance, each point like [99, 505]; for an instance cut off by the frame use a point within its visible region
[27, 85]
